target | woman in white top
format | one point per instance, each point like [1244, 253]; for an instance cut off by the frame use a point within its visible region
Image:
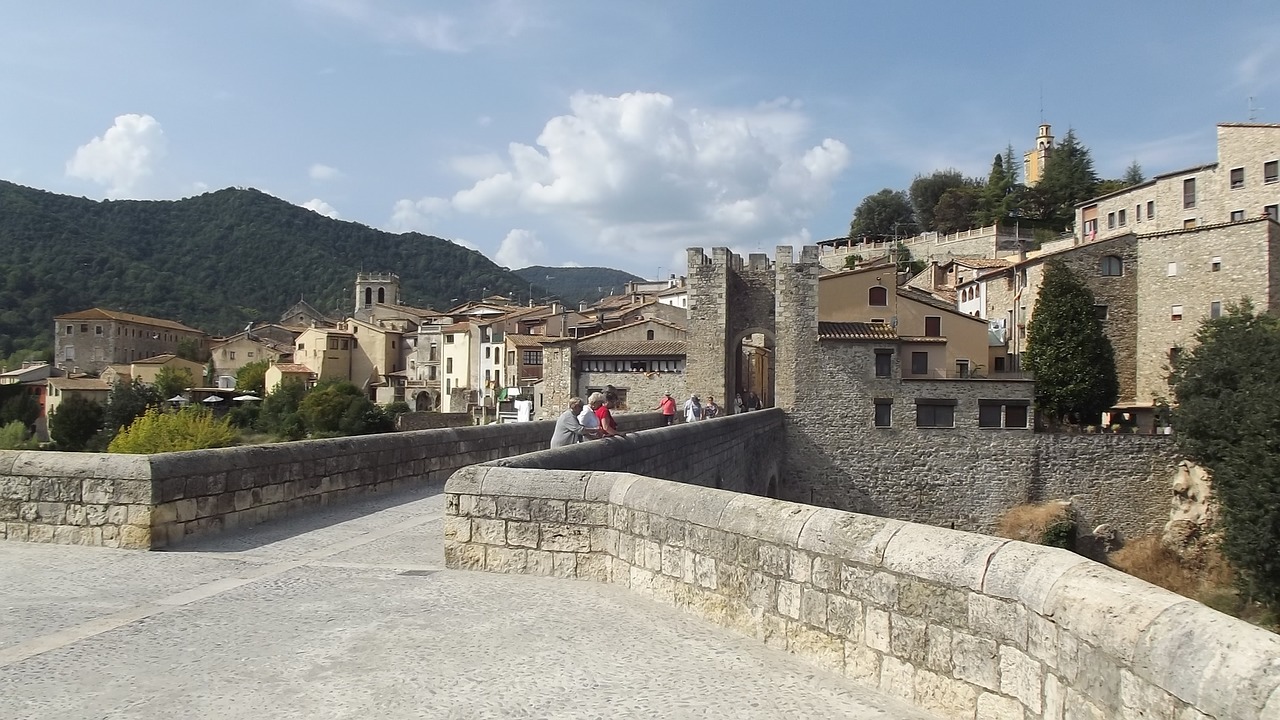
[590, 422]
[692, 409]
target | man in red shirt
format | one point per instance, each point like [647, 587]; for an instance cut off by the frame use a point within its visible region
[668, 408]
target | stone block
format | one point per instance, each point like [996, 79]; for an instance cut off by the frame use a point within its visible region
[544, 510]
[800, 566]
[506, 560]
[1026, 573]
[15, 488]
[1001, 620]
[1107, 608]
[522, 534]
[135, 538]
[844, 618]
[1054, 698]
[826, 573]
[933, 603]
[604, 540]
[652, 558]
[816, 646]
[601, 486]
[484, 506]
[185, 509]
[704, 570]
[466, 481]
[513, 508]
[908, 638]
[975, 660]
[876, 587]
[1080, 707]
[995, 707]
[731, 581]
[944, 696]
[587, 513]
[38, 533]
[764, 519]
[593, 566]
[525, 482]
[762, 591]
[789, 599]
[95, 515]
[856, 538]
[1141, 699]
[457, 529]
[938, 655]
[9, 509]
[773, 631]
[813, 607]
[1022, 677]
[897, 678]
[488, 532]
[1098, 677]
[541, 562]
[774, 561]
[688, 566]
[464, 556]
[945, 557]
[564, 564]
[876, 627]
[76, 514]
[55, 489]
[861, 663]
[642, 581]
[1042, 639]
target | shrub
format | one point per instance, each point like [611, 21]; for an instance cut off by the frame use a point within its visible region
[75, 422]
[1050, 523]
[189, 429]
[14, 437]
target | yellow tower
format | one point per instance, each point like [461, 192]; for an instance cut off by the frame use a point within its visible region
[1033, 160]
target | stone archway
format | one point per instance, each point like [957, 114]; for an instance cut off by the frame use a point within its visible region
[426, 401]
[751, 367]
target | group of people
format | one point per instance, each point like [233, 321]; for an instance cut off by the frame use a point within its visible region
[694, 409]
[586, 421]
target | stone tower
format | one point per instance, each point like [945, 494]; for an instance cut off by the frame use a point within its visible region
[1033, 161]
[371, 288]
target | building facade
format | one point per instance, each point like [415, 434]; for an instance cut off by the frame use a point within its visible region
[89, 340]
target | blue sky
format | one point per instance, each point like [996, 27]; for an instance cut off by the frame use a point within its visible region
[606, 133]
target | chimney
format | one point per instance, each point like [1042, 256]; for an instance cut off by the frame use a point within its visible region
[582, 306]
[555, 307]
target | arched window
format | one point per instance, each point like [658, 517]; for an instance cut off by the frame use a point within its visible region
[1111, 266]
[382, 296]
[648, 335]
[878, 296]
[368, 296]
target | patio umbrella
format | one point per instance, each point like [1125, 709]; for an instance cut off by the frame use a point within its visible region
[246, 397]
[177, 399]
[212, 399]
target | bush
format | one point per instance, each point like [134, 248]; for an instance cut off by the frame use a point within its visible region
[1050, 523]
[340, 407]
[75, 422]
[245, 416]
[189, 429]
[279, 413]
[14, 437]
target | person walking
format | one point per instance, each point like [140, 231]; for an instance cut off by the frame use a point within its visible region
[737, 403]
[692, 409]
[711, 409]
[668, 407]
[588, 418]
[568, 430]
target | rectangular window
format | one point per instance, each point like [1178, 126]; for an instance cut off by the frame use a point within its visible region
[1015, 416]
[1000, 364]
[1188, 193]
[69, 329]
[1175, 312]
[1270, 171]
[532, 357]
[990, 414]
[69, 353]
[333, 343]
[919, 363]
[933, 326]
[962, 368]
[1215, 309]
[1237, 215]
[1091, 227]
[1172, 269]
[884, 363]
[448, 338]
[249, 354]
[233, 354]
[1122, 218]
[1215, 264]
[1174, 354]
[448, 365]
[1237, 178]
[488, 353]
[345, 344]
[1111, 220]
[935, 413]
[1100, 312]
[97, 329]
[1151, 209]
[302, 346]
[1137, 213]
[884, 412]
[1189, 224]
[1273, 212]
[84, 327]
[1002, 413]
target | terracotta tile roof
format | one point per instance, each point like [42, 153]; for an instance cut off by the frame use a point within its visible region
[923, 339]
[855, 331]
[931, 300]
[660, 321]
[79, 384]
[293, 368]
[980, 262]
[155, 359]
[526, 340]
[631, 348]
[100, 314]
[948, 295]
[457, 328]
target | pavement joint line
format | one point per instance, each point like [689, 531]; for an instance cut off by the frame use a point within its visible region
[97, 626]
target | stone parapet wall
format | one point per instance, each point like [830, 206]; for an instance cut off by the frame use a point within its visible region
[961, 625]
[740, 452]
[432, 420]
[156, 501]
[75, 499]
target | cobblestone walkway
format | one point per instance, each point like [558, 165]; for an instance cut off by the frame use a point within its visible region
[350, 614]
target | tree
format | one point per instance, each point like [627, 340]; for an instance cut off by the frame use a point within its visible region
[927, 190]
[279, 414]
[17, 404]
[1133, 174]
[851, 261]
[335, 407]
[1227, 394]
[16, 436]
[127, 400]
[957, 208]
[191, 349]
[882, 215]
[192, 428]
[75, 422]
[1072, 358]
[1068, 179]
[171, 383]
[999, 196]
[1011, 164]
[252, 377]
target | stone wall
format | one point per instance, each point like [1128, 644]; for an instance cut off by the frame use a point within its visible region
[961, 625]
[432, 420]
[740, 452]
[75, 499]
[155, 501]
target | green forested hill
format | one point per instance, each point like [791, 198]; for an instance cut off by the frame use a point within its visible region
[215, 262]
[575, 284]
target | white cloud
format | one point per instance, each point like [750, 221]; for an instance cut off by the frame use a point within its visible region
[520, 249]
[1258, 69]
[484, 120]
[462, 28]
[122, 157]
[474, 167]
[322, 207]
[639, 174]
[321, 172]
[417, 215]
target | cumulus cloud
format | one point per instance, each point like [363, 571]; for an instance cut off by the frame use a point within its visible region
[418, 215]
[475, 167]
[322, 207]
[122, 157]
[637, 173]
[463, 27]
[321, 172]
[520, 249]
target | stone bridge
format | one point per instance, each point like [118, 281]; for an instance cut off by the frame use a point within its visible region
[651, 575]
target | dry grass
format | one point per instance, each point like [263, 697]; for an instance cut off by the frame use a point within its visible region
[1044, 524]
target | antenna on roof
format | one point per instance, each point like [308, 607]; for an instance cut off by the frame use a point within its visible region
[1253, 110]
[1041, 102]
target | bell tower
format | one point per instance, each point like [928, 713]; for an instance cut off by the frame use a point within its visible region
[376, 289]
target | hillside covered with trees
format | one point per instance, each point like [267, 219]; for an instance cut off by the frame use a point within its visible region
[216, 262]
[575, 284]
